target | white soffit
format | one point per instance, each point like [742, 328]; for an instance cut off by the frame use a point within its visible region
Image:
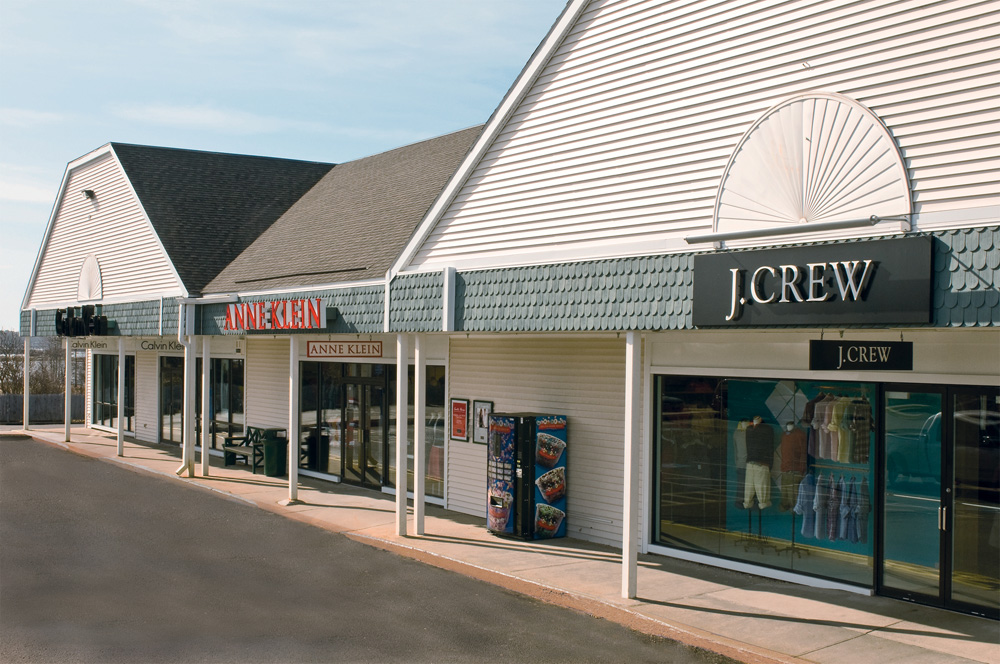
[814, 158]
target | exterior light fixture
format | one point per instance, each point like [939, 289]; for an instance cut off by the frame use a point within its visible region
[784, 230]
[89, 194]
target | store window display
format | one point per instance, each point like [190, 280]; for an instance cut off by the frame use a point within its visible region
[773, 472]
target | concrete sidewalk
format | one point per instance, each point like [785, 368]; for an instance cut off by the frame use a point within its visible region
[746, 617]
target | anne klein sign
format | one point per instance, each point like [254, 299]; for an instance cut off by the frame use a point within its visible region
[344, 349]
[859, 283]
[275, 315]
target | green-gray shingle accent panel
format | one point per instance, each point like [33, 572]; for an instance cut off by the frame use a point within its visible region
[654, 292]
[416, 302]
[640, 293]
[967, 277]
[359, 309]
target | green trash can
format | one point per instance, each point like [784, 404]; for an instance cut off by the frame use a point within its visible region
[275, 452]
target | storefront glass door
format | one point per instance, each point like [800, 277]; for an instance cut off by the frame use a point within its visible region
[105, 391]
[364, 434]
[941, 513]
[974, 514]
[912, 510]
[171, 399]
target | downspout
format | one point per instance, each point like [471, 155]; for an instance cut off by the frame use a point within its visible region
[185, 324]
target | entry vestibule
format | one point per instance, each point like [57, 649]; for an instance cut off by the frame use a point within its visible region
[347, 421]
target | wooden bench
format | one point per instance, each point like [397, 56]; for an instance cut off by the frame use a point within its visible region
[249, 445]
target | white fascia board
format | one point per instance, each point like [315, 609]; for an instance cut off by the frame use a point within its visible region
[494, 125]
[152, 229]
[343, 285]
[70, 167]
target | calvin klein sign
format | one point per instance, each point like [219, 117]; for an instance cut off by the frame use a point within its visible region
[883, 282]
[860, 355]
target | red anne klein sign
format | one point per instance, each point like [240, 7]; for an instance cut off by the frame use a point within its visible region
[275, 315]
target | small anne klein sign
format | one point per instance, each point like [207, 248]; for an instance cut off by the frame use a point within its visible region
[344, 349]
[275, 315]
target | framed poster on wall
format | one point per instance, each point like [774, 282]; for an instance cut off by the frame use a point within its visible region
[460, 420]
[481, 411]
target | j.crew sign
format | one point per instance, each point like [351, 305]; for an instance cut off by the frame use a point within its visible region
[860, 355]
[880, 282]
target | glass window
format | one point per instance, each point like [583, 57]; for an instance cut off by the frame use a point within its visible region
[433, 431]
[771, 472]
[105, 391]
[171, 399]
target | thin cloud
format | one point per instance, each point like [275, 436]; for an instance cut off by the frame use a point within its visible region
[26, 118]
[209, 118]
[24, 185]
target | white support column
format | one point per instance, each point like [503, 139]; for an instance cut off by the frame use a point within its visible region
[121, 396]
[187, 448]
[630, 511]
[419, 418]
[293, 422]
[68, 405]
[27, 383]
[206, 404]
[402, 408]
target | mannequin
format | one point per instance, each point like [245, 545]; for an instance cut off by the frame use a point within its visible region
[793, 463]
[740, 458]
[760, 452]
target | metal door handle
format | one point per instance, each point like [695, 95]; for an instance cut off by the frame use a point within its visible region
[942, 517]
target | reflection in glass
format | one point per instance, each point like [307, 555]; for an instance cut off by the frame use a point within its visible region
[912, 514]
[105, 391]
[347, 423]
[976, 519]
[772, 472]
[171, 399]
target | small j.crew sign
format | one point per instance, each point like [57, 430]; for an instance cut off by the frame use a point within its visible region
[860, 355]
[851, 283]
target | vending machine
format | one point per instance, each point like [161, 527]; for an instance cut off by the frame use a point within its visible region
[526, 475]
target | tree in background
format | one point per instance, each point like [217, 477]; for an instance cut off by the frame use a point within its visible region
[48, 358]
[11, 363]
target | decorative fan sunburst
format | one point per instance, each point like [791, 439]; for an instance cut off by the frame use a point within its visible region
[90, 286]
[813, 158]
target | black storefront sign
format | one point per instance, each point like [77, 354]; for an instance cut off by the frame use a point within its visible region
[883, 282]
[860, 355]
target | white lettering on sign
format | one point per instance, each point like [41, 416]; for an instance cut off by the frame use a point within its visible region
[276, 315]
[344, 349]
[864, 355]
[790, 283]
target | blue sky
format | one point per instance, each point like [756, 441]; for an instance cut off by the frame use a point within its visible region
[323, 80]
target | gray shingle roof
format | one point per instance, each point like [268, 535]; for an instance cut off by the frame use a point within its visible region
[354, 223]
[207, 207]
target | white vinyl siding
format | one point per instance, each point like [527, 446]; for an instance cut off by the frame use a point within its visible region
[267, 383]
[147, 396]
[619, 146]
[582, 378]
[114, 228]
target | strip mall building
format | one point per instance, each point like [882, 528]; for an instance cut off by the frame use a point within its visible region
[751, 250]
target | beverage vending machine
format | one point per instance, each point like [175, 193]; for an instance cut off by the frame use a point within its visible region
[526, 475]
